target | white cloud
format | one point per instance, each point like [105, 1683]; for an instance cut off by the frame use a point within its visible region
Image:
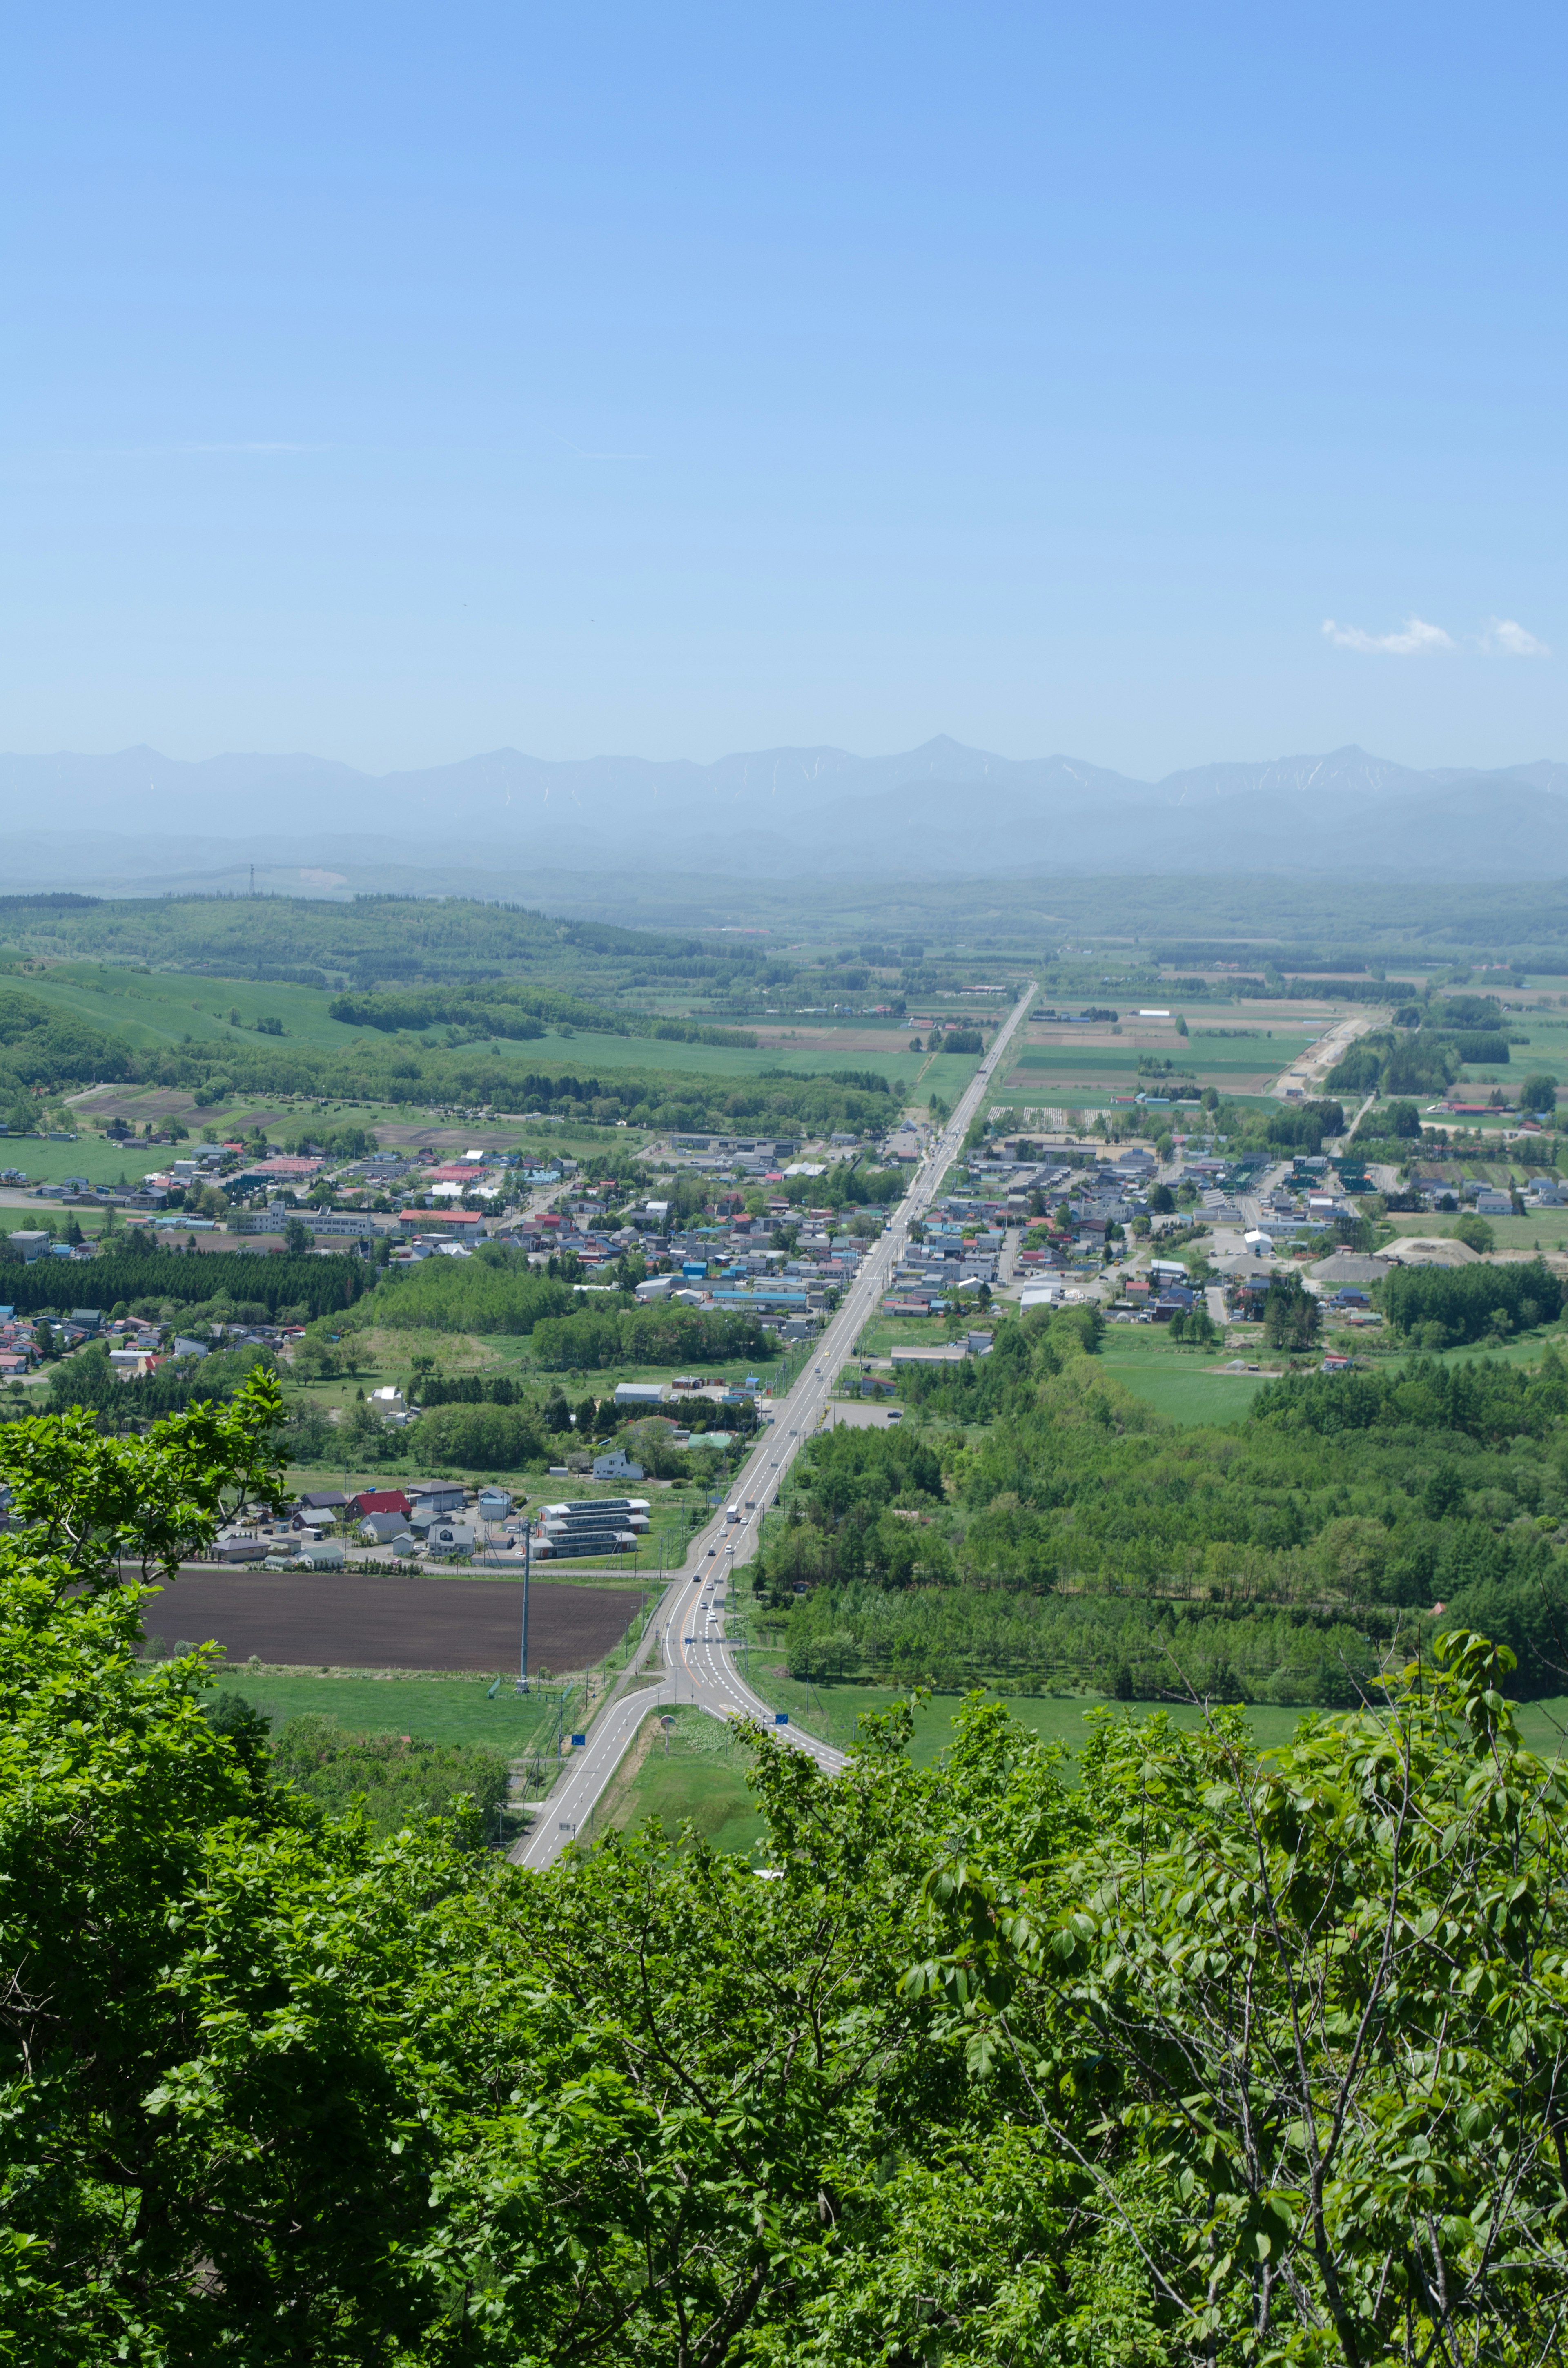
[1503, 633]
[1417, 638]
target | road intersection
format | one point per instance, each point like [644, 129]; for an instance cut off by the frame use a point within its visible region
[685, 1656]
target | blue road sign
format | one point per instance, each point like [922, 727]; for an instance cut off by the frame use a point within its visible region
[781, 1718]
[579, 1739]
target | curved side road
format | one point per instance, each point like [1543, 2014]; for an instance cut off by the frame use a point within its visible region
[687, 1634]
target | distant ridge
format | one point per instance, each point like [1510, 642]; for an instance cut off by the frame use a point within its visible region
[941, 809]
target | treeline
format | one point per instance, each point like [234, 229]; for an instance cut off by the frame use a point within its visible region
[661, 1334]
[952, 1640]
[1431, 1038]
[467, 1389]
[127, 1403]
[1342, 1500]
[376, 938]
[1299, 1127]
[46, 1050]
[500, 1293]
[1443, 1307]
[1486, 1404]
[520, 1012]
[119, 1277]
[497, 1291]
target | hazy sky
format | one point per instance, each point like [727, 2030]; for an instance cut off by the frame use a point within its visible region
[402, 382]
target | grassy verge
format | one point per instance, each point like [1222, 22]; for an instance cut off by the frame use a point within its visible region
[691, 1773]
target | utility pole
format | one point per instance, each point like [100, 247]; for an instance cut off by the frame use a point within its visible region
[523, 1668]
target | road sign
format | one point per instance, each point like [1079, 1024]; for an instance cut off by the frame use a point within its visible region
[578, 1740]
[781, 1718]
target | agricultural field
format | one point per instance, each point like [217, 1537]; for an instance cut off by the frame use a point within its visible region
[1064, 1063]
[384, 1620]
[151, 1010]
[1547, 1050]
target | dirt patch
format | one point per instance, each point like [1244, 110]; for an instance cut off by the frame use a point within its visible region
[139, 1103]
[134, 1102]
[1157, 1035]
[405, 1135]
[837, 1040]
[348, 1619]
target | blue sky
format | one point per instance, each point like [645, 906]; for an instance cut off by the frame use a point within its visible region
[400, 382]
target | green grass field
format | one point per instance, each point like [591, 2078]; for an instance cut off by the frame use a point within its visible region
[1181, 1383]
[1546, 1053]
[885, 1333]
[701, 1777]
[431, 1710]
[152, 1008]
[698, 1777]
[92, 1156]
[1040, 1068]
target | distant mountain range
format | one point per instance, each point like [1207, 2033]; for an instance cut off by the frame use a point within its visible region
[139, 821]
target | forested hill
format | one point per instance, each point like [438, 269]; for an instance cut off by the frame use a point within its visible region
[363, 943]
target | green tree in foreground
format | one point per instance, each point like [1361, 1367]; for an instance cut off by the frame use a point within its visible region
[1209, 2059]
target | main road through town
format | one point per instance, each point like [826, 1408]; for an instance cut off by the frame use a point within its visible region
[685, 1656]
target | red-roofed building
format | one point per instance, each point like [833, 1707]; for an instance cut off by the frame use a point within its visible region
[380, 1500]
[441, 1220]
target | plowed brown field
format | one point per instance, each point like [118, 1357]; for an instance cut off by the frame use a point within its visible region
[349, 1620]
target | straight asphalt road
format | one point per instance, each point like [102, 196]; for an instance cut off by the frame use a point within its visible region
[686, 1640]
